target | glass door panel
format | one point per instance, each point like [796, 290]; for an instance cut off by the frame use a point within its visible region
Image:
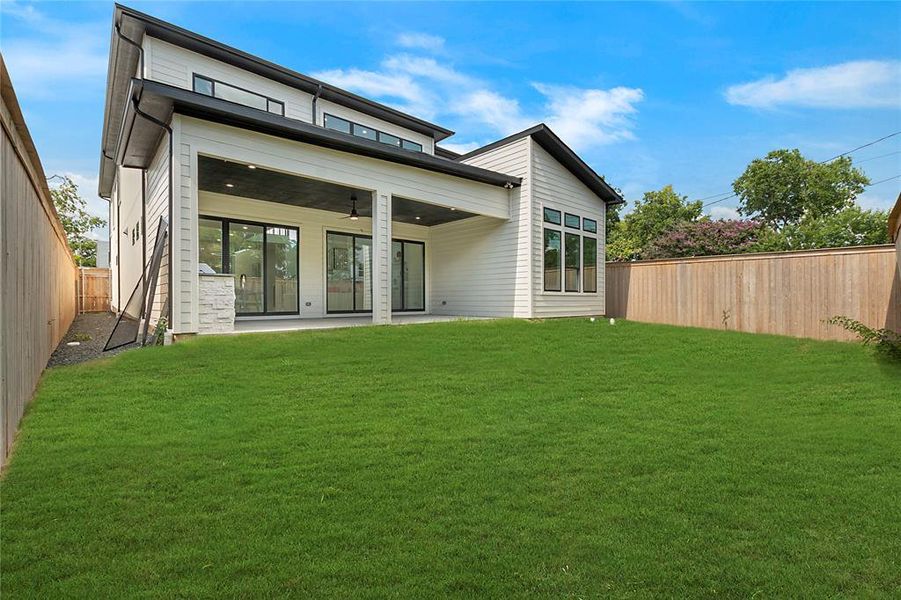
[397, 275]
[245, 259]
[414, 276]
[281, 270]
[362, 274]
[339, 273]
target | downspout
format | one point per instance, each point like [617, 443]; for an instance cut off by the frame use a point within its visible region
[315, 101]
[135, 102]
[118, 250]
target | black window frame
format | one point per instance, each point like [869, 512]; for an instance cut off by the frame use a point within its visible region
[569, 217]
[403, 262]
[594, 225]
[567, 235]
[596, 261]
[552, 211]
[560, 261]
[353, 277]
[269, 100]
[378, 133]
[226, 266]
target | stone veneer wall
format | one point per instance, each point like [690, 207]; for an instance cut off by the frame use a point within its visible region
[217, 304]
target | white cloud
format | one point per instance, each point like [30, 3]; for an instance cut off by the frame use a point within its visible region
[424, 41]
[584, 118]
[55, 55]
[723, 212]
[874, 200]
[856, 84]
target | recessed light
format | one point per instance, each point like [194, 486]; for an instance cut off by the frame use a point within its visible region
[229, 185]
[244, 227]
[251, 166]
[452, 208]
[417, 218]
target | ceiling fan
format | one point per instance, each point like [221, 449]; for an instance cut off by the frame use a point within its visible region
[354, 215]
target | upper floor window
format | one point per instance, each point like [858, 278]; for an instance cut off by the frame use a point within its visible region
[224, 91]
[365, 131]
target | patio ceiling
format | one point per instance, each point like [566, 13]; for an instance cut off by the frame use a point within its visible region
[238, 179]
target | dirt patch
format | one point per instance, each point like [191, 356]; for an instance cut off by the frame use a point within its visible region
[91, 331]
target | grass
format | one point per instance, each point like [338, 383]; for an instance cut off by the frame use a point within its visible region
[549, 459]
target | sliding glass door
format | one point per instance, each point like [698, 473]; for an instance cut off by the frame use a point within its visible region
[348, 273]
[262, 258]
[407, 276]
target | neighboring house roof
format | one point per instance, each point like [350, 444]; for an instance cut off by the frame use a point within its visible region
[563, 154]
[141, 137]
[894, 220]
[123, 63]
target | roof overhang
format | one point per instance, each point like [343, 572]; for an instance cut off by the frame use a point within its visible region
[141, 136]
[124, 58]
[563, 154]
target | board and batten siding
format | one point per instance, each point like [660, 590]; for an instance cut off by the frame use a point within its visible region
[553, 186]
[37, 270]
[195, 137]
[312, 225]
[176, 66]
[481, 264]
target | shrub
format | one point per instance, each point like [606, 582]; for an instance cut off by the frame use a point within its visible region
[885, 340]
[706, 238]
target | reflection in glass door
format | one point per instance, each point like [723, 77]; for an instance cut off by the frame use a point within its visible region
[245, 260]
[348, 269]
[281, 270]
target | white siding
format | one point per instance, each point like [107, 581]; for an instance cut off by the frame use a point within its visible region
[325, 106]
[481, 265]
[176, 66]
[158, 206]
[128, 196]
[313, 225]
[555, 187]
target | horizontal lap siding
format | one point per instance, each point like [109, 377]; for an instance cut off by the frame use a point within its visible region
[313, 225]
[129, 197]
[554, 186]
[481, 265]
[158, 206]
[176, 66]
[789, 293]
[37, 281]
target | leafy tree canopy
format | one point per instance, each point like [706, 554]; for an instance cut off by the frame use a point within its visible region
[706, 238]
[851, 226]
[656, 213]
[785, 188]
[76, 221]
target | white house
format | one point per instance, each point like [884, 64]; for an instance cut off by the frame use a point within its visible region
[289, 198]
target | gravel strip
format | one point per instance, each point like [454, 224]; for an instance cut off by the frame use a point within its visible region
[91, 330]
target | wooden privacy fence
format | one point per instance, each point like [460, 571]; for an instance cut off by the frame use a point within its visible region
[93, 289]
[786, 293]
[37, 271]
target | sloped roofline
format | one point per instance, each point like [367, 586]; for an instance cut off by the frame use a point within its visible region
[563, 154]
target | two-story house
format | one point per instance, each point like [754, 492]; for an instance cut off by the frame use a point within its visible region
[284, 197]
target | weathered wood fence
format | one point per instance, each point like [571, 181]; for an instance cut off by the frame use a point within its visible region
[786, 293]
[93, 289]
[37, 271]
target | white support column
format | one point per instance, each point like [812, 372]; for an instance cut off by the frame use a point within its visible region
[381, 256]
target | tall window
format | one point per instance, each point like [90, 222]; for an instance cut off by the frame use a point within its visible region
[572, 262]
[589, 264]
[552, 258]
[407, 275]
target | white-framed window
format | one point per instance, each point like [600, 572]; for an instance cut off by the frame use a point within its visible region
[570, 252]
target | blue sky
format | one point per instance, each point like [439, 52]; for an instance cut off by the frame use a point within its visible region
[648, 93]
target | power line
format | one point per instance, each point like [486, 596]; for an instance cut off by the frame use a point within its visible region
[880, 156]
[883, 180]
[867, 145]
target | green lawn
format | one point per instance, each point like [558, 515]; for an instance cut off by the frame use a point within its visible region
[497, 459]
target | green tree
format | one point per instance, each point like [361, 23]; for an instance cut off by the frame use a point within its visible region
[76, 221]
[785, 188]
[656, 213]
[851, 226]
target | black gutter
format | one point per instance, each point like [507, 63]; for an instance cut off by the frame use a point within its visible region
[228, 113]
